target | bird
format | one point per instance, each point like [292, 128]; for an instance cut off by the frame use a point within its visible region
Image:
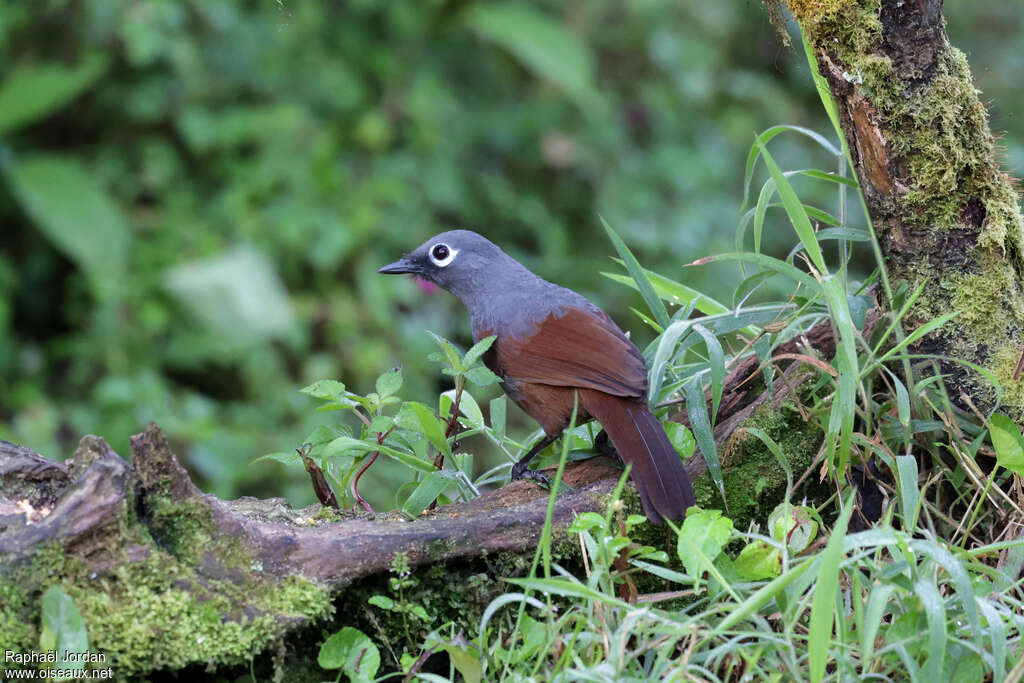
[550, 343]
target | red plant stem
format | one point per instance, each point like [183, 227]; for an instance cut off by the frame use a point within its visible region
[355, 481]
[354, 487]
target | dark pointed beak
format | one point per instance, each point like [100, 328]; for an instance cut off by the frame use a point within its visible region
[402, 265]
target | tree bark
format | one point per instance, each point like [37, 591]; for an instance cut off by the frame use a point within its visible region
[943, 211]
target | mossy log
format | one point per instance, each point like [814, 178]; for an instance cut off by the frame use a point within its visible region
[169, 578]
[945, 215]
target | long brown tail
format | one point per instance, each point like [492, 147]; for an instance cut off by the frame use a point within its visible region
[658, 472]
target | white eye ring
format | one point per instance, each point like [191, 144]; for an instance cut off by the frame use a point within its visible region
[441, 254]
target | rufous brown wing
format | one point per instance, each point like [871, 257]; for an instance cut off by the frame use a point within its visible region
[586, 351]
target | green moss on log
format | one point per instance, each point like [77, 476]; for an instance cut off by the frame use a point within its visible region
[156, 611]
[753, 477]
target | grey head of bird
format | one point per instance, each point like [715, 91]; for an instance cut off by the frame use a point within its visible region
[466, 264]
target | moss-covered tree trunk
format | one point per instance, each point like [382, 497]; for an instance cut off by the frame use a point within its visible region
[943, 211]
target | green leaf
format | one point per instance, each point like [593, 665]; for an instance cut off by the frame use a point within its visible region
[482, 377]
[284, 457]
[432, 427]
[681, 438]
[1007, 442]
[451, 354]
[794, 525]
[353, 652]
[540, 43]
[709, 531]
[327, 389]
[68, 205]
[63, 626]
[761, 597]
[389, 382]
[426, 492]
[759, 560]
[585, 521]
[846, 363]
[464, 655]
[935, 615]
[933, 324]
[652, 300]
[467, 406]
[755, 150]
[382, 601]
[498, 410]
[321, 434]
[874, 618]
[33, 90]
[346, 443]
[478, 350]
[781, 267]
[381, 423]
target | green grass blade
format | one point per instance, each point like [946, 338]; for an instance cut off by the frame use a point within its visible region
[795, 210]
[761, 210]
[775, 264]
[846, 363]
[906, 468]
[873, 615]
[997, 637]
[426, 492]
[666, 349]
[935, 615]
[716, 357]
[929, 326]
[637, 273]
[700, 425]
[672, 291]
[825, 591]
[961, 579]
[754, 153]
[824, 92]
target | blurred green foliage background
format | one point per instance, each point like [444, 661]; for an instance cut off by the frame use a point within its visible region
[195, 194]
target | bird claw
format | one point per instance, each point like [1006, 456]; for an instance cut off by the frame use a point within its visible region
[537, 476]
[519, 471]
[542, 479]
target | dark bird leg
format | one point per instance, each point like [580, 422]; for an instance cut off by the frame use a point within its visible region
[519, 470]
[604, 446]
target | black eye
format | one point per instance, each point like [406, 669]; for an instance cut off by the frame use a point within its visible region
[440, 252]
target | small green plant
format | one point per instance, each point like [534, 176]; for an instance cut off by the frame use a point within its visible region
[425, 440]
[401, 581]
[428, 442]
